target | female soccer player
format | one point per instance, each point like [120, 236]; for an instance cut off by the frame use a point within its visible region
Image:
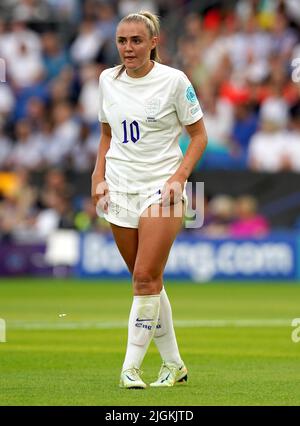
[139, 180]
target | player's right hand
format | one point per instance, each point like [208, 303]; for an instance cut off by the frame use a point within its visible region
[100, 195]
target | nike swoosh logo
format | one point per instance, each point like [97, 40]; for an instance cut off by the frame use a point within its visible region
[165, 378]
[132, 380]
[144, 319]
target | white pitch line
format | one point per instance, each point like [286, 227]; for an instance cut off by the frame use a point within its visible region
[85, 325]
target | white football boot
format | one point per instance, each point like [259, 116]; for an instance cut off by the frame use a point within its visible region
[130, 379]
[170, 374]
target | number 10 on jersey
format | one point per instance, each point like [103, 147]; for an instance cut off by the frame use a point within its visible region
[134, 131]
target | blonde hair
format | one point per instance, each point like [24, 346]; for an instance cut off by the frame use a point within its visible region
[152, 24]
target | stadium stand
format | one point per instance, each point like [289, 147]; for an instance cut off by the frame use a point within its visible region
[239, 56]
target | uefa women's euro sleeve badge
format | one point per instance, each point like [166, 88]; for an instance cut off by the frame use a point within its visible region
[191, 95]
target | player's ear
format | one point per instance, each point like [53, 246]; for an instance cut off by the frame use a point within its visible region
[154, 42]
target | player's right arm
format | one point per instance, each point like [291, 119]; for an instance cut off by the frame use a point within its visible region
[99, 186]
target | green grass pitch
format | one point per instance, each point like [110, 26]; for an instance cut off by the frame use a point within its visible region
[66, 341]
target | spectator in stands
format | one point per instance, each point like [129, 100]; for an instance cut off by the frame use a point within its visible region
[86, 220]
[66, 11]
[33, 12]
[192, 26]
[89, 76]
[63, 207]
[291, 8]
[248, 43]
[248, 223]
[86, 47]
[55, 182]
[27, 151]
[61, 88]
[35, 216]
[5, 148]
[3, 35]
[7, 100]
[125, 7]
[284, 38]
[25, 68]
[17, 206]
[44, 137]
[221, 152]
[36, 113]
[245, 126]
[19, 33]
[85, 149]
[218, 217]
[55, 58]
[106, 20]
[189, 59]
[65, 133]
[107, 24]
[267, 148]
[293, 140]
[218, 118]
[56, 214]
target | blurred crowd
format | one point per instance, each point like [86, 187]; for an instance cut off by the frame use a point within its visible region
[31, 213]
[243, 58]
[245, 67]
[225, 216]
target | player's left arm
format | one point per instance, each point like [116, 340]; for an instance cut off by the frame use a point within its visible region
[198, 141]
[196, 148]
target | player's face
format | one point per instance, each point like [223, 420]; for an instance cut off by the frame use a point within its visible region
[134, 45]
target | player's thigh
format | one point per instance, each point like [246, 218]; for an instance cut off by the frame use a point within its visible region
[127, 243]
[157, 232]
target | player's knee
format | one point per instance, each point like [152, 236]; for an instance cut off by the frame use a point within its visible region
[146, 282]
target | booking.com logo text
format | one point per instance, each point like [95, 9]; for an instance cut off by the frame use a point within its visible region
[125, 205]
[2, 71]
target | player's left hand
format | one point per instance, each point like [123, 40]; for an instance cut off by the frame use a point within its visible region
[172, 190]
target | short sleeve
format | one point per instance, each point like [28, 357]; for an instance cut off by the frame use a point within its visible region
[101, 115]
[186, 102]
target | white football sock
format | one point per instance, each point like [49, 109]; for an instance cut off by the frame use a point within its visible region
[164, 336]
[141, 326]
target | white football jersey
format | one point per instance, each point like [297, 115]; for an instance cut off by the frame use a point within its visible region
[146, 116]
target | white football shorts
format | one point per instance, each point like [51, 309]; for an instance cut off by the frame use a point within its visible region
[126, 209]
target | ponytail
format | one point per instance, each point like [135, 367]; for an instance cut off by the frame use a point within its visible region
[152, 23]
